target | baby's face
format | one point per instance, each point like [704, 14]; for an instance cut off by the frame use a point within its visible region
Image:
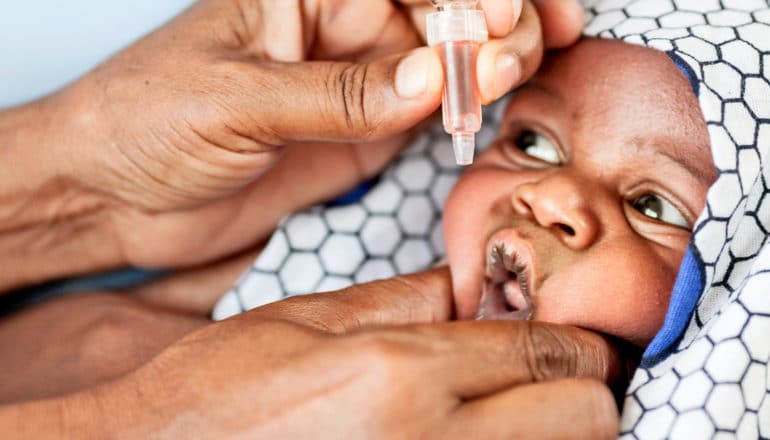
[588, 197]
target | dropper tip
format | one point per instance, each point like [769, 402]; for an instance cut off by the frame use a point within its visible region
[464, 145]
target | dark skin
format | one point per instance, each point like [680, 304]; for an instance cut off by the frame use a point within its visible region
[170, 155]
[182, 139]
[124, 325]
[379, 341]
[610, 136]
[75, 342]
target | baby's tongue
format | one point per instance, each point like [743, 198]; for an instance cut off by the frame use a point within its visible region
[515, 297]
[503, 302]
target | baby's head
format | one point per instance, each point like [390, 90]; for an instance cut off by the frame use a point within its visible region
[587, 198]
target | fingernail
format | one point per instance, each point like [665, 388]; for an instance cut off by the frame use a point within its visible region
[508, 72]
[412, 74]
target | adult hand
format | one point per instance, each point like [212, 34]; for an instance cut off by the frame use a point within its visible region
[167, 142]
[373, 361]
[239, 90]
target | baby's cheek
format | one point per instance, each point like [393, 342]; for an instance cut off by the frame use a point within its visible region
[469, 220]
[648, 304]
[631, 307]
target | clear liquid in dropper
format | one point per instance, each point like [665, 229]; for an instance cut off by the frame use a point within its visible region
[462, 102]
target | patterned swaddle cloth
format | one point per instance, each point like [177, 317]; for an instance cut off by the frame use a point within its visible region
[706, 373]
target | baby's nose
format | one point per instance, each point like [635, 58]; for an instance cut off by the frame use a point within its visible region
[559, 203]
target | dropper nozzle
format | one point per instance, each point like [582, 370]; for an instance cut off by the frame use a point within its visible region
[464, 145]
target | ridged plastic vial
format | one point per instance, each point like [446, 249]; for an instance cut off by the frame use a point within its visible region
[457, 30]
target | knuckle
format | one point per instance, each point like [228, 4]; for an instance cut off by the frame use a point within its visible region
[527, 40]
[109, 331]
[320, 312]
[547, 355]
[385, 355]
[349, 92]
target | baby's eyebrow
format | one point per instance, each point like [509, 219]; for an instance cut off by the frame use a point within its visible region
[688, 163]
[678, 154]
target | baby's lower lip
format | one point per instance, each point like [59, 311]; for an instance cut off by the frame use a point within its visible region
[503, 302]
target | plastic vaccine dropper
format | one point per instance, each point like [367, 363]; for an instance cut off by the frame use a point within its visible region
[457, 30]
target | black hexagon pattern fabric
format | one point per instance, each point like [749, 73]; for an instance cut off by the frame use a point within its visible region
[713, 382]
[395, 228]
[713, 379]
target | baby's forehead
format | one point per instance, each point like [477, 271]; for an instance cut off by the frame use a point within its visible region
[614, 99]
[618, 88]
[610, 71]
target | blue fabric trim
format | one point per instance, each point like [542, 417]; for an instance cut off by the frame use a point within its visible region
[687, 71]
[120, 279]
[689, 283]
[115, 280]
[684, 298]
[353, 196]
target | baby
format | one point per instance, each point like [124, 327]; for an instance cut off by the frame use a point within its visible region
[584, 205]
[581, 211]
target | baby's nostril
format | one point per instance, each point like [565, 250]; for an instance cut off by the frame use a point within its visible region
[567, 229]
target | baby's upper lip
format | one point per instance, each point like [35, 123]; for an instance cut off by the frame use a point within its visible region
[516, 253]
[509, 275]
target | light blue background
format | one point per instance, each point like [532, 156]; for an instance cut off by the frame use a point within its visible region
[45, 44]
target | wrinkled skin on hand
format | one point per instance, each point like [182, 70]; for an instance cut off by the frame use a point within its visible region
[375, 361]
[201, 136]
[198, 138]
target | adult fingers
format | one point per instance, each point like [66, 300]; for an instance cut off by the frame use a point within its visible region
[418, 298]
[473, 358]
[562, 21]
[573, 408]
[501, 15]
[360, 31]
[479, 358]
[523, 30]
[507, 62]
[329, 101]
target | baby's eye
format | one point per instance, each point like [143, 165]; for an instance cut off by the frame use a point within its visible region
[538, 146]
[660, 209]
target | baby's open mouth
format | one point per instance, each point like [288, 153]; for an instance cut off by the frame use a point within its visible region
[505, 294]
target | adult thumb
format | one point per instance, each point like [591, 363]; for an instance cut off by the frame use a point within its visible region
[332, 101]
[420, 298]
